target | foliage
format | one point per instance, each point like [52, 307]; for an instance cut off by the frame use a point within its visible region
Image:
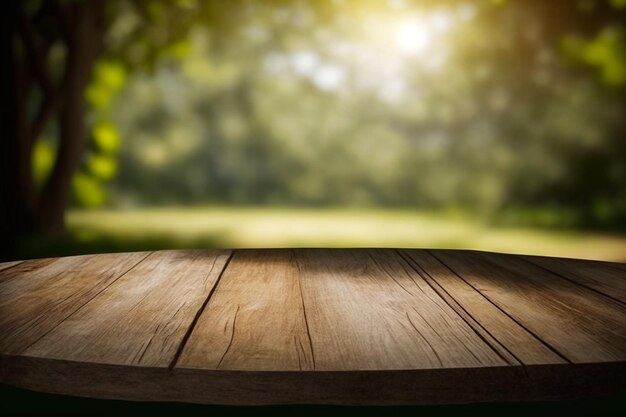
[305, 103]
[494, 107]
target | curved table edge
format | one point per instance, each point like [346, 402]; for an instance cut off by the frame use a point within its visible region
[379, 387]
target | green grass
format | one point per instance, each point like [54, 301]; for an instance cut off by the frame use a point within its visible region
[239, 227]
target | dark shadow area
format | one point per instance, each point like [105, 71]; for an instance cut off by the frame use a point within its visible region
[70, 245]
[20, 402]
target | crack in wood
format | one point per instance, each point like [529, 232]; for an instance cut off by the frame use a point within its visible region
[156, 331]
[306, 321]
[425, 339]
[193, 323]
[387, 272]
[232, 337]
[296, 342]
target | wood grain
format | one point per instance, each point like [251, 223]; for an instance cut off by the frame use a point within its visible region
[25, 267]
[255, 319]
[578, 324]
[315, 326]
[389, 387]
[368, 310]
[7, 265]
[492, 322]
[603, 277]
[364, 310]
[36, 296]
[142, 318]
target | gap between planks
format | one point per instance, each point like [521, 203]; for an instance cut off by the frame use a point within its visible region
[573, 281]
[193, 323]
[546, 344]
[455, 305]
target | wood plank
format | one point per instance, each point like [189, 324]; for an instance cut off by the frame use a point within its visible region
[388, 387]
[368, 310]
[142, 318]
[37, 295]
[316, 327]
[364, 309]
[603, 277]
[7, 265]
[491, 321]
[579, 324]
[255, 319]
[27, 268]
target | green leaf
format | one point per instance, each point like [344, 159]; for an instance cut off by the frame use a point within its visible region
[109, 77]
[106, 137]
[605, 53]
[88, 191]
[177, 50]
[111, 74]
[43, 160]
[102, 167]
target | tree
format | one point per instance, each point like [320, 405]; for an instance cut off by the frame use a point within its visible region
[32, 31]
[39, 94]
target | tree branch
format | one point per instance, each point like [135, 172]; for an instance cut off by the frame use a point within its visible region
[49, 106]
[36, 55]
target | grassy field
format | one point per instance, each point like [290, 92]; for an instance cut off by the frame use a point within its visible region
[234, 227]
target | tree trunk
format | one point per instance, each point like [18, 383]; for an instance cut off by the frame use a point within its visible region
[22, 211]
[84, 43]
[17, 207]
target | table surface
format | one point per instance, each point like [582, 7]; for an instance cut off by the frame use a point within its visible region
[331, 326]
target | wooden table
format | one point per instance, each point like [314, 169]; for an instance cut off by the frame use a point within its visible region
[332, 326]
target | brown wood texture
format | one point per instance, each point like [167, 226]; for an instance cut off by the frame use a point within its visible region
[604, 277]
[368, 310]
[255, 319]
[36, 296]
[142, 318]
[7, 265]
[493, 323]
[329, 326]
[578, 324]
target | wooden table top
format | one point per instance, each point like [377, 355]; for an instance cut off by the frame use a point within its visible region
[330, 326]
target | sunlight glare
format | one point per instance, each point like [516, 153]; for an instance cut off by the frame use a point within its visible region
[329, 77]
[412, 37]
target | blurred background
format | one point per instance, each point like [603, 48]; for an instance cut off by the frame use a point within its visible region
[490, 125]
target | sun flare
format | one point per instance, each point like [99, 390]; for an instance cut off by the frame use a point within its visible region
[412, 37]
